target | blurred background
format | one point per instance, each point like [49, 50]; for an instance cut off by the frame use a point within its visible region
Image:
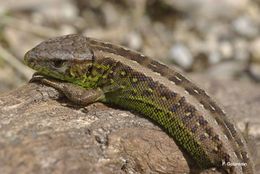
[219, 38]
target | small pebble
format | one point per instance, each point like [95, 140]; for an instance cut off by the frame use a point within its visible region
[255, 50]
[245, 27]
[181, 55]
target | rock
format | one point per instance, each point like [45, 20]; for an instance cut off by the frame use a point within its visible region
[67, 29]
[255, 50]
[241, 49]
[226, 49]
[134, 41]
[40, 132]
[12, 5]
[246, 27]
[227, 69]
[46, 135]
[254, 66]
[209, 8]
[214, 57]
[58, 12]
[181, 55]
[254, 71]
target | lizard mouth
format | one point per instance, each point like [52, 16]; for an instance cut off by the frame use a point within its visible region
[38, 76]
[44, 67]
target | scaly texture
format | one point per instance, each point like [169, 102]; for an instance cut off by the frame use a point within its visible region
[133, 81]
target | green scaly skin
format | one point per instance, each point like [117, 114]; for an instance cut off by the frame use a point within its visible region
[109, 78]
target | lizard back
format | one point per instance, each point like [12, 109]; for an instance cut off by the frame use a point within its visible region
[136, 82]
[185, 110]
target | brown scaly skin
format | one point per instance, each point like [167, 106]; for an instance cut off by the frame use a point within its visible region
[112, 74]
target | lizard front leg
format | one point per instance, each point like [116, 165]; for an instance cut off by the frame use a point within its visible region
[74, 93]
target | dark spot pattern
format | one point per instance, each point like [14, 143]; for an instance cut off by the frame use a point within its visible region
[194, 128]
[202, 121]
[147, 92]
[179, 80]
[79, 48]
[156, 67]
[191, 90]
[190, 109]
[140, 77]
[168, 95]
[175, 79]
[119, 50]
[186, 118]
[240, 143]
[226, 157]
[209, 131]
[202, 137]
[99, 70]
[152, 84]
[232, 129]
[134, 93]
[219, 146]
[215, 138]
[175, 107]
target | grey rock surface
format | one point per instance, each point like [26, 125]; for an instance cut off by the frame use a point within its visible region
[41, 132]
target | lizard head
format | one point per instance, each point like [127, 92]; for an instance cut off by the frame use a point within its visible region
[66, 58]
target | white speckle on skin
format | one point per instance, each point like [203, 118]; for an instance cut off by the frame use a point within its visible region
[126, 49]
[179, 79]
[157, 73]
[173, 82]
[188, 113]
[196, 91]
[225, 136]
[206, 134]
[235, 155]
[206, 93]
[213, 108]
[163, 63]
[187, 92]
[135, 62]
[216, 148]
[201, 105]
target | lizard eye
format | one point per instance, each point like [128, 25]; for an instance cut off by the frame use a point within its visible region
[58, 63]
